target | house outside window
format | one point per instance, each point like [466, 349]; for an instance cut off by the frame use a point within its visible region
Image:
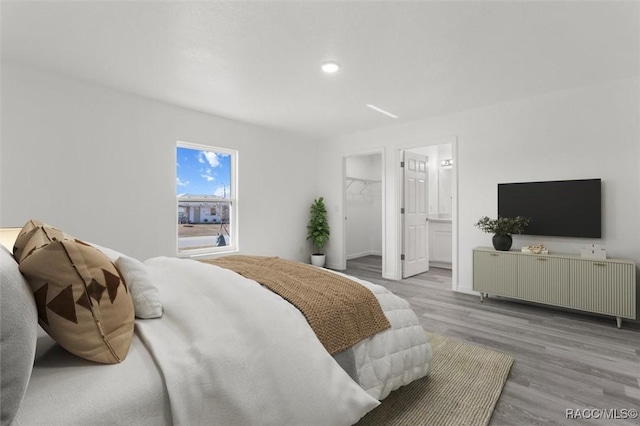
[206, 196]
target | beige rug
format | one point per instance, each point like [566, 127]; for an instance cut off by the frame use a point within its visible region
[462, 389]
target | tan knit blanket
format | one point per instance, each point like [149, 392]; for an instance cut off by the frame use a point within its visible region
[341, 312]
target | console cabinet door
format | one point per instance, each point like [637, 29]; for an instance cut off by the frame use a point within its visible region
[603, 287]
[495, 273]
[543, 279]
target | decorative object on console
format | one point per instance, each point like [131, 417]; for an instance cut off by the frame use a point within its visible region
[593, 251]
[535, 249]
[318, 230]
[502, 228]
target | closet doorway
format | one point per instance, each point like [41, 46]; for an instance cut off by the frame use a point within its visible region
[364, 204]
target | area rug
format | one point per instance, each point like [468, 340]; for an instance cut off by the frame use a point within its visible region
[462, 389]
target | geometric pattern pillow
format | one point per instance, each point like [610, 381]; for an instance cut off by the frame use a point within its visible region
[83, 303]
[35, 234]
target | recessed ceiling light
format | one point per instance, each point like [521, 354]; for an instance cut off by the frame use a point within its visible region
[380, 110]
[330, 67]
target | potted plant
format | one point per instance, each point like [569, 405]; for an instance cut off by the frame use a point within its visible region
[318, 230]
[502, 228]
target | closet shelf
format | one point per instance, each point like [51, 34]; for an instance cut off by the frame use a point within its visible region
[365, 182]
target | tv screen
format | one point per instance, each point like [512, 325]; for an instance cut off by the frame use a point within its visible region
[564, 208]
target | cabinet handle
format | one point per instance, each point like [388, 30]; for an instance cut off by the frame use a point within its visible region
[542, 258]
[599, 264]
[494, 254]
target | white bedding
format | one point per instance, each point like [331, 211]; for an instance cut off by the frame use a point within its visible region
[226, 352]
[395, 357]
[65, 390]
[234, 353]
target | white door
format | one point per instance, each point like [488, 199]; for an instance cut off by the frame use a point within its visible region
[416, 222]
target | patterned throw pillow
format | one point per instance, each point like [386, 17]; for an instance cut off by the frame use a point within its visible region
[83, 303]
[34, 235]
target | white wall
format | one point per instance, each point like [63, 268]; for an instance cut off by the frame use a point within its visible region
[364, 206]
[95, 162]
[590, 132]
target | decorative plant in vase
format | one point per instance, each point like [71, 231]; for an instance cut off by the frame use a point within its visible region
[318, 230]
[503, 228]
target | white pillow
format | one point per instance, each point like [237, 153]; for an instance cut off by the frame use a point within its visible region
[18, 335]
[145, 295]
[113, 255]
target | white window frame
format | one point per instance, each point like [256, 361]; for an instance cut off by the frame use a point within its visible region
[232, 200]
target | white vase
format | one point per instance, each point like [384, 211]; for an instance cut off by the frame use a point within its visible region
[318, 260]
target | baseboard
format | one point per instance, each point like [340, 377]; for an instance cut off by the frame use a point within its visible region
[442, 265]
[363, 254]
[389, 277]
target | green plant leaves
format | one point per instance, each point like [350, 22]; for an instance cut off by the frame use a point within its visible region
[503, 225]
[318, 228]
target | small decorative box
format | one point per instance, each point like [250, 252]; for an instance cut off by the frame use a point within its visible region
[536, 249]
[593, 251]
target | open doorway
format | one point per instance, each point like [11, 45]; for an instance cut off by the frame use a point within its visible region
[437, 210]
[364, 209]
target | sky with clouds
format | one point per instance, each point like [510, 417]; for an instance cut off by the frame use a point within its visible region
[203, 172]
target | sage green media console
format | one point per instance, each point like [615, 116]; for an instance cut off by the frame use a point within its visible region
[605, 287]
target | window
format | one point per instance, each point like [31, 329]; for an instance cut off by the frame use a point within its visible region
[206, 198]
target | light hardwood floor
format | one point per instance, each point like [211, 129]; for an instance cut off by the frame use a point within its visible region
[563, 360]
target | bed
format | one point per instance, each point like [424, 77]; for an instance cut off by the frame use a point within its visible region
[225, 350]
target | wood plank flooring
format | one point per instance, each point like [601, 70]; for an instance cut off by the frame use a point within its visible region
[563, 360]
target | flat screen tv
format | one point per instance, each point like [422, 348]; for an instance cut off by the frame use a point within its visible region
[564, 208]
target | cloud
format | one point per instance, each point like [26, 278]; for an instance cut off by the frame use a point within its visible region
[221, 192]
[181, 183]
[209, 157]
[209, 178]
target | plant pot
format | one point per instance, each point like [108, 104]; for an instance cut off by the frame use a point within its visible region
[318, 259]
[502, 242]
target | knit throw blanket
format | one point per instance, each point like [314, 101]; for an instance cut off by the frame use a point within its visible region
[341, 312]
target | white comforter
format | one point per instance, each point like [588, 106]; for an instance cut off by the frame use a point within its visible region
[234, 353]
[397, 356]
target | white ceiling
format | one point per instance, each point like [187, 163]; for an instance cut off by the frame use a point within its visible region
[260, 62]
